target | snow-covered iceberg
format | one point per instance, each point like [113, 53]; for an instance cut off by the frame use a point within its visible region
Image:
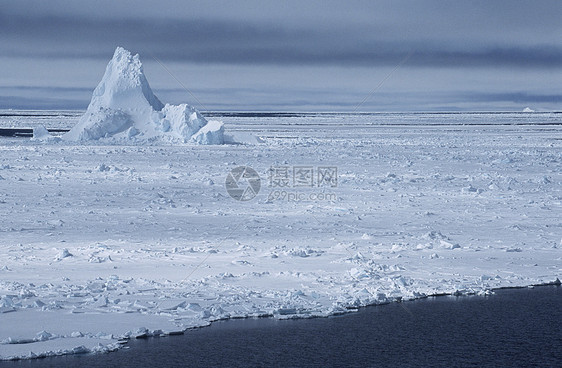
[124, 107]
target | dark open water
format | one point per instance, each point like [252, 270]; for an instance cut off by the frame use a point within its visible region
[514, 328]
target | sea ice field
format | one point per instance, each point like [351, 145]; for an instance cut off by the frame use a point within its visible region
[101, 241]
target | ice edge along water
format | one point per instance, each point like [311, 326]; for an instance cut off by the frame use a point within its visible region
[98, 342]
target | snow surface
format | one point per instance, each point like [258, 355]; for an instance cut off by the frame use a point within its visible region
[103, 242]
[124, 108]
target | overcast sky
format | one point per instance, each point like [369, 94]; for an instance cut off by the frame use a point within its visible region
[291, 55]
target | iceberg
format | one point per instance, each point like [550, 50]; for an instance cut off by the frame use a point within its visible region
[123, 107]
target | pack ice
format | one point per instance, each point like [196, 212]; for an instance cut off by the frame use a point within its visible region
[123, 107]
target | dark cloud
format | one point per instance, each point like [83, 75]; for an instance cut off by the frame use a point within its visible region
[515, 97]
[228, 41]
[41, 103]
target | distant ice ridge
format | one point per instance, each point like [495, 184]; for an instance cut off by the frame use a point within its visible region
[40, 133]
[124, 107]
